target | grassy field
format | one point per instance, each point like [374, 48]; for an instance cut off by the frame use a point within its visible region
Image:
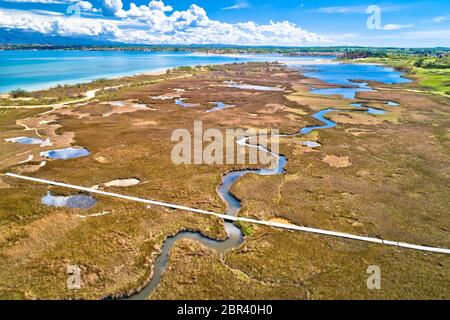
[396, 186]
[431, 79]
[107, 87]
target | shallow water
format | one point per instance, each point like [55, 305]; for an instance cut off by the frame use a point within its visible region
[321, 117]
[244, 86]
[220, 106]
[311, 144]
[234, 240]
[27, 140]
[369, 110]
[346, 74]
[40, 69]
[234, 235]
[164, 97]
[183, 104]
[33, 70]
[73, 202]
[118, 103]
[65, 154]
[392, 104]
[347, 93]
[123, 182]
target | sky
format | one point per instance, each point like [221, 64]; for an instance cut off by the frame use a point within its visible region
[395, 23]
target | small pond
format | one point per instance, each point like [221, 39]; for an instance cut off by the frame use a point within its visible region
[65, 154]
[244, 86]
[369, 109]
[27, 140]
[79, 201]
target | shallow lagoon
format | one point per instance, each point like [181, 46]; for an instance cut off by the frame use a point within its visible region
[65, 154]
[348, 93]
[346, 74]
[74, 202]
[27, 140]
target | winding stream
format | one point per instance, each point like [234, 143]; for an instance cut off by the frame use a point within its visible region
[235, 237]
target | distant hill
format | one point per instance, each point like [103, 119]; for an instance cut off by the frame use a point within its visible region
[14, 37]
[17, 39]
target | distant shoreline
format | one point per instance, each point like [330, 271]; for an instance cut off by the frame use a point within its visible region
[203, 58]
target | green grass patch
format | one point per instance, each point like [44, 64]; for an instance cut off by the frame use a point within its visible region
[8, 117]
[245, 228]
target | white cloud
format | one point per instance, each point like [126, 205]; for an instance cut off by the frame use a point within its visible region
[80, 5]
[63, 26]
[42, 1]
[46, 12]
[362, 9]
[403, 38]
[343, 9]
[392, 27]
[159, 5]
[238, 5]
[84, 6]
[112, 7]
[429, 34]
[157, 23]
[193, 26]
[441, 18]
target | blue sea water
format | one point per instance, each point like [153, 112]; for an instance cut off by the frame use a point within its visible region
[40, 69]
[33, 70]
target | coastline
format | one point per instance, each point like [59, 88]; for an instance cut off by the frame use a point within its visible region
[52, 85]
[233, 57]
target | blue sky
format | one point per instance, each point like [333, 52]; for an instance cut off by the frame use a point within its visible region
[400, 23]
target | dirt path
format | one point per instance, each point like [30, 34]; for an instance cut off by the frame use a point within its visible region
[87, 96]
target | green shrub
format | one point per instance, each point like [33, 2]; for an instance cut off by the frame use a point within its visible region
[246, 229]
[19, 93]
